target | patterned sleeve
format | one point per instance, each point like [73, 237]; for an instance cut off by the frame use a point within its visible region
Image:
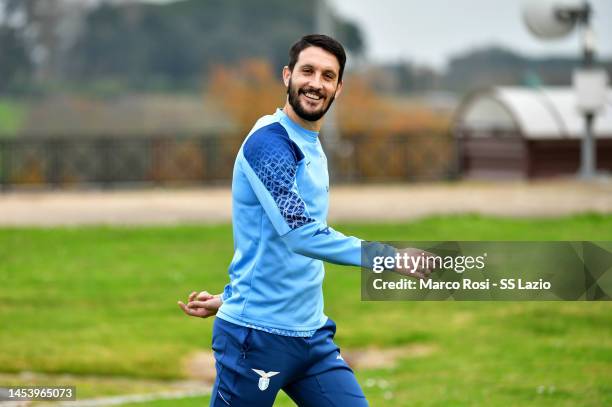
[274, 158]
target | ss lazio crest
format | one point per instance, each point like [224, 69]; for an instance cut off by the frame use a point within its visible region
[264, 380]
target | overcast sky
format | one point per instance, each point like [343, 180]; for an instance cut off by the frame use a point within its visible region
[429, 31]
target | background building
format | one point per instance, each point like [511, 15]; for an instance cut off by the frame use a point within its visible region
[526, 133]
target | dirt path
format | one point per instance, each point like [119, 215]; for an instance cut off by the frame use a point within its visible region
[354, 203]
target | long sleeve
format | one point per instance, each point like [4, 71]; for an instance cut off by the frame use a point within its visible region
[280, 200]
[271, 163]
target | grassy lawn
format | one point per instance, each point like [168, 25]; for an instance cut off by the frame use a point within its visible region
[12, 115]
[102, 301]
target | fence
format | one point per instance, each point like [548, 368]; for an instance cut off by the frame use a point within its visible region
[164, 160]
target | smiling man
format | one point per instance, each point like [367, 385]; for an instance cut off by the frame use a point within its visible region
[270, 332]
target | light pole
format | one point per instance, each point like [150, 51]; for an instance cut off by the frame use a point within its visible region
[550, 19]
[325, 25]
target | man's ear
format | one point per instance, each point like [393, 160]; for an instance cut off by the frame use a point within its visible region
[339, 89]
[286, 75]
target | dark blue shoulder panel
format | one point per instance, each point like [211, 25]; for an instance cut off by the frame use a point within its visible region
[274, 157]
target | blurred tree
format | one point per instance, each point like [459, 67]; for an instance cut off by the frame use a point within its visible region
[176, 43]
[484, 67]
[251, 89]
[15, 64]
[45, 29]
[500, 66]
[247, 91]
[363, 111]
[350, 35]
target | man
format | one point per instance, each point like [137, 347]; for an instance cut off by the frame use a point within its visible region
[270, 332]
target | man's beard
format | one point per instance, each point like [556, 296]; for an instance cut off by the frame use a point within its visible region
[294, 101]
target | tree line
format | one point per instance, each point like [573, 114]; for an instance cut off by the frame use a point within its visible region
[133, 46]
[140, 46]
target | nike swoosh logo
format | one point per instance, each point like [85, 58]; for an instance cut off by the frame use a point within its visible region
[324, 231]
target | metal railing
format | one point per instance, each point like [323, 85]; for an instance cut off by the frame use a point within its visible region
[164, 160]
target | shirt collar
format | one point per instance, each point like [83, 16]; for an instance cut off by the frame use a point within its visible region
[309, 135]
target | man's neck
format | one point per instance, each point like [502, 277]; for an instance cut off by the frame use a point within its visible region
[308, 125]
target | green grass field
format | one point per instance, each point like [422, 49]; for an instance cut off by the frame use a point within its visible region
[12, 116]
[102, 301]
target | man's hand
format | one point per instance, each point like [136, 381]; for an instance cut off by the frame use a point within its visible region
[201, 304]
[413, 263]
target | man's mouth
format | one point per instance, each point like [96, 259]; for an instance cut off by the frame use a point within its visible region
[312, 96]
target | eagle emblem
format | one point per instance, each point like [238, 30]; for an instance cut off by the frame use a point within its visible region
[264, 379]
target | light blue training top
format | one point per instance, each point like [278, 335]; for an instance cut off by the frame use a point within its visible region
[280, 199]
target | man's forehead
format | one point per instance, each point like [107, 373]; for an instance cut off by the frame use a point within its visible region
[318, 57]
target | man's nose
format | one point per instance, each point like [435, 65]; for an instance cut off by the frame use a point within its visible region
[316, 81]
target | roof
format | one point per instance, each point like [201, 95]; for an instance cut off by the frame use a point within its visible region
[537, 113]
[126, 115]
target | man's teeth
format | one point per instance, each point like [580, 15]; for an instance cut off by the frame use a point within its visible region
[312, 96]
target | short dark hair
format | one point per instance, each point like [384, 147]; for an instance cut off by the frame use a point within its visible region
[322, 41]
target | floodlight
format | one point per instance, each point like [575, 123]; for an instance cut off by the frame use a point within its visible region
[551, 19]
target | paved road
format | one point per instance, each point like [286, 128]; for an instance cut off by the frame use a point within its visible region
[348, 203]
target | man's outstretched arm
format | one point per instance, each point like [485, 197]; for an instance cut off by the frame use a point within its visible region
[271, 161]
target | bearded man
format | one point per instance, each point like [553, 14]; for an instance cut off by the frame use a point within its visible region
[271, 332]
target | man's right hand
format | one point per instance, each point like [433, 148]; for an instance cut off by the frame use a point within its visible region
[201, 304]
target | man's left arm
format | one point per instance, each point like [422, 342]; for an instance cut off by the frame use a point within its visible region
[321, 241]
